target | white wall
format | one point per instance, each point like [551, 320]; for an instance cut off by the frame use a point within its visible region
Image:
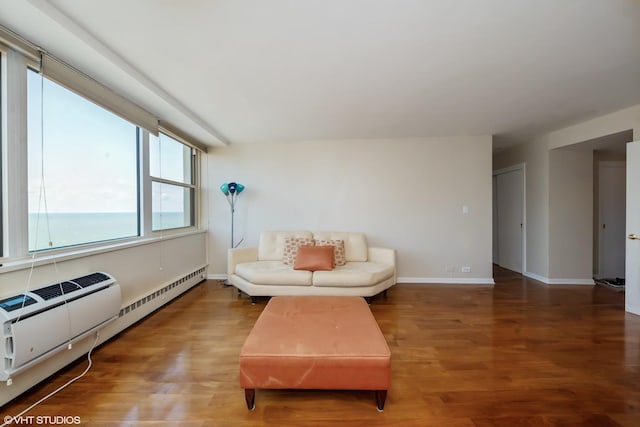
[404, 194]
[571, 216]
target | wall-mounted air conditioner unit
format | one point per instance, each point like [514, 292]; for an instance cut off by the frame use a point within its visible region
[38, 323]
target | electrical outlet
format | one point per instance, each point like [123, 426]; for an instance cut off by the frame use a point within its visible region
[466, 269]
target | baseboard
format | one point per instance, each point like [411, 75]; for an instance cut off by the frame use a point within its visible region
[633, 309]
[581, 282]
[535, 277]
[548, 281]
[448, 280]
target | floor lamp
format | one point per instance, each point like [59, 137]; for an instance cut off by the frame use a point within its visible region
[231, 190]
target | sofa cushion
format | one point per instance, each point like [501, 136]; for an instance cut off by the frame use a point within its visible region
[271, 244]
[355, 244]
[315, 258]
[353, 274]
[338, 255]
[273, 273]
[291, 245]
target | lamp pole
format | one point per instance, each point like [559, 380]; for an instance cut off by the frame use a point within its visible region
[233, 210]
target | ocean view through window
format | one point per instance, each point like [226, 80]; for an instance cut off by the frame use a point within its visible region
[82, 169]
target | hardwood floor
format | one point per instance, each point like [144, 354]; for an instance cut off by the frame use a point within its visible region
[516, 354]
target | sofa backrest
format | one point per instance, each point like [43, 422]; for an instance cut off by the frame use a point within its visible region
[271, 245]
[355, 244]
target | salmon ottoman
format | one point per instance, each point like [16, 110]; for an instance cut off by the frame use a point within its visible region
[316, 342]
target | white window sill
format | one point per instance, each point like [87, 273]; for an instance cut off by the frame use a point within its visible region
[46, 257]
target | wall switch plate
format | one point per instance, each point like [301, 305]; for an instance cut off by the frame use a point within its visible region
[466, 269]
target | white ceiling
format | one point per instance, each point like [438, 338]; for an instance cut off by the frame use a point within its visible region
[243, 71]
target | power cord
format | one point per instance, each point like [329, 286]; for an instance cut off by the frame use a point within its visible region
[8, 420]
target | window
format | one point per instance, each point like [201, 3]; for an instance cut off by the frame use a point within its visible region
[82, 169]
[78, 170]
[171, 165]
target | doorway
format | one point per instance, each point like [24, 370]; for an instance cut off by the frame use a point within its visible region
[611, 221]
[609, 209]
[509, 218]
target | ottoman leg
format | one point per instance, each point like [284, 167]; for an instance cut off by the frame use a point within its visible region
[250, 397]
[381, 396]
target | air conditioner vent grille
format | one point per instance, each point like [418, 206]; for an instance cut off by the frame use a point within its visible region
[91, 279]
[56, 290]
[16, 302]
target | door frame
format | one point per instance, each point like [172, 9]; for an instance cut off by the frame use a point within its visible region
[516, 167]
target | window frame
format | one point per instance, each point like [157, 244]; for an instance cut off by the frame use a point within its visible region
[192, 186]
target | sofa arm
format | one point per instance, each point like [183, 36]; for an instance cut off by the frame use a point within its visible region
[239, 255]
[384, 256]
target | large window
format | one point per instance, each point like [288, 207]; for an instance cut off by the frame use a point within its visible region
[171, 165]
[82, 169]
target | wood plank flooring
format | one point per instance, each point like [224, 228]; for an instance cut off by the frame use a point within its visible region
[516, 354]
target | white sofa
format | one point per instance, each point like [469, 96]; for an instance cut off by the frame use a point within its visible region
[260, 271]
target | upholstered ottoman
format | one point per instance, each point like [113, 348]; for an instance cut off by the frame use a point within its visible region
[316, 342]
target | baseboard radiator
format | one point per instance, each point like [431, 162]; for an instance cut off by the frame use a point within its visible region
[39, 323]
[190, 279]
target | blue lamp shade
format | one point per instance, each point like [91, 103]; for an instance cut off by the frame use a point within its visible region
[231, 188]
[225, 189]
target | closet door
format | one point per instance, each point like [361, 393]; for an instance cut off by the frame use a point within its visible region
[510, 202]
